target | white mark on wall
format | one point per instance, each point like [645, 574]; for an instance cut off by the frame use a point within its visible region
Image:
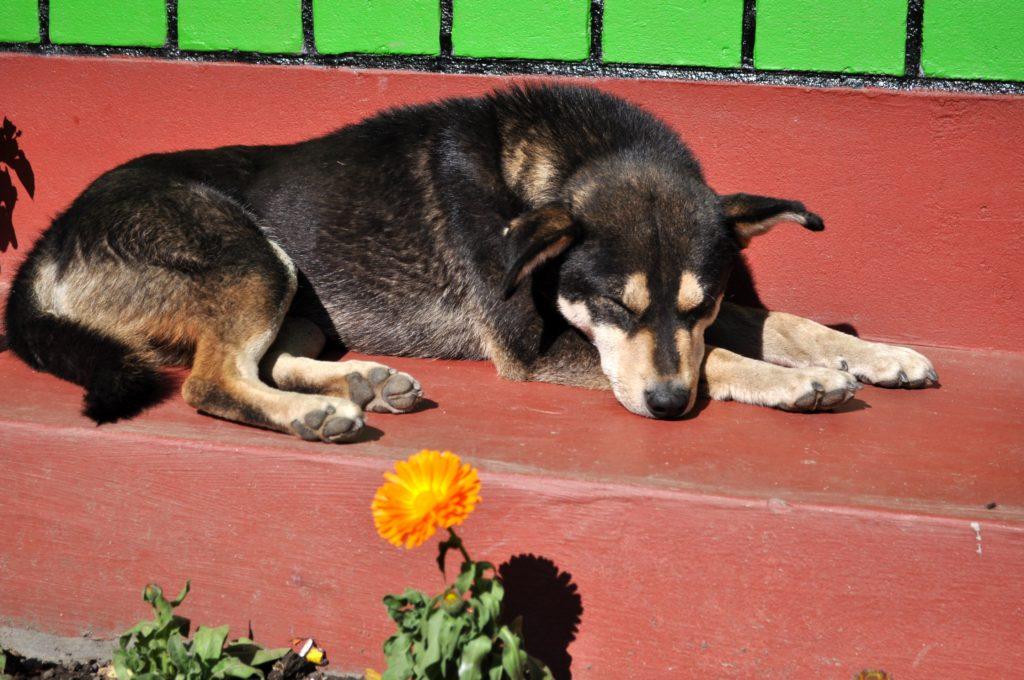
[920, 655]
[977, 535]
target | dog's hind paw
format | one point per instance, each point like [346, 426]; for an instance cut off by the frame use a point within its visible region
[326, 424]
[380, 389]
[891, 366]
[394, 392]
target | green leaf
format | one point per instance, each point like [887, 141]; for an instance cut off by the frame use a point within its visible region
[230, 667]
[121, 669]
[511, 654]
[208, 643]
[473, 655]
[466, 577]
[177, 652]
[538, 670]
[432, 642]
[263, 656]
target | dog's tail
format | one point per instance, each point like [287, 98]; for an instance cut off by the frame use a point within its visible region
[120, 382]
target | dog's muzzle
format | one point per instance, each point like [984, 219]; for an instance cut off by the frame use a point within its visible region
[667, 399]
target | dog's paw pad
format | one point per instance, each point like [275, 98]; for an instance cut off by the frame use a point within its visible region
[341, 428]
[359, 389]
[394, 392]
[323, 425]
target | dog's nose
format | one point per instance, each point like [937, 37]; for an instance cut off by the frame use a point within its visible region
[667, 400]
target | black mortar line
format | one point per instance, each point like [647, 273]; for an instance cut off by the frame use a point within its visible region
[748, 35]
[531, 67]
[912, 54]
[447, 20]
[596, 32]
[44, 23]
[172, 25]
[308, 37]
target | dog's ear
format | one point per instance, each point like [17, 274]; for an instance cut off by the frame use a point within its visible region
[751, 216]
[534, 238]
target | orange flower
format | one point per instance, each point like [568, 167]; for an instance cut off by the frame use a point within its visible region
[430, 490]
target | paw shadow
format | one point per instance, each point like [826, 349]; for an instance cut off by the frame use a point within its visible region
[423, 404]
[550, 606]
[850, 406]
[369, 433]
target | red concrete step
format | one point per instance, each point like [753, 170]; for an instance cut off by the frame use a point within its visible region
[742, 542]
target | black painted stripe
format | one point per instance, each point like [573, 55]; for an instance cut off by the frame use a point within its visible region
[749, 33]
[447, 16]
[308, 38]
[912, 55]
[502, 67]
[172, 24]
[596, 31]
[44, 23]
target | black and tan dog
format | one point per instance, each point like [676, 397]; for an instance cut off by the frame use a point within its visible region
[560, 232]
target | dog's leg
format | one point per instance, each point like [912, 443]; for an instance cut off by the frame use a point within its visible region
[789, 340]
[224, 381]
[290, 364]
[730, 376]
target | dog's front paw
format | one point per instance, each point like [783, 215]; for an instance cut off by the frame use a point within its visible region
[813, 389]
[884, 365]
[789, 389]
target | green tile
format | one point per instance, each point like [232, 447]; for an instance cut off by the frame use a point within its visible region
[19, 21]
[689, 32]
[977, 39]
[109, 22]
[273, 26]
[377, 26]
[529, 29]
[856, 36]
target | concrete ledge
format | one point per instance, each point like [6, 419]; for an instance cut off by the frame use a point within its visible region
[742, 542]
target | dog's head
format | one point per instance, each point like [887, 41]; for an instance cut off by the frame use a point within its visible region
[645, 252]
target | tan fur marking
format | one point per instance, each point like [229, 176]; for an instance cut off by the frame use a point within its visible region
[691, 293]
[539, 180]
[543, 256]
[636, 295]
[746, 231]
[628, 361]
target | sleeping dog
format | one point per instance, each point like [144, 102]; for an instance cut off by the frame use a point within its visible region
[560, 232]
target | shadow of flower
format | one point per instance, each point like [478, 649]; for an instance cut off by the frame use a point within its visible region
[12, 158]
[550, 605]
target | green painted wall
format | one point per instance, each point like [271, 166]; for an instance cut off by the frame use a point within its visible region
[685, 32]
[528, 29]
[976, 39]
[114, 22]
[853, 36]
[272, 26]
[377, 26]
[971, 39]
[19, 21]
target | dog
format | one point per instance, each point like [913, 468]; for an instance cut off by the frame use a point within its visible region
[564, 234]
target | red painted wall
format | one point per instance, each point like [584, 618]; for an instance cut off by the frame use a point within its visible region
[921, 192]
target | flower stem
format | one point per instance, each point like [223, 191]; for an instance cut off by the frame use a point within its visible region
[456, 542]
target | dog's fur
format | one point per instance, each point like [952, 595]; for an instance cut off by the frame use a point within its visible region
[560, 232]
